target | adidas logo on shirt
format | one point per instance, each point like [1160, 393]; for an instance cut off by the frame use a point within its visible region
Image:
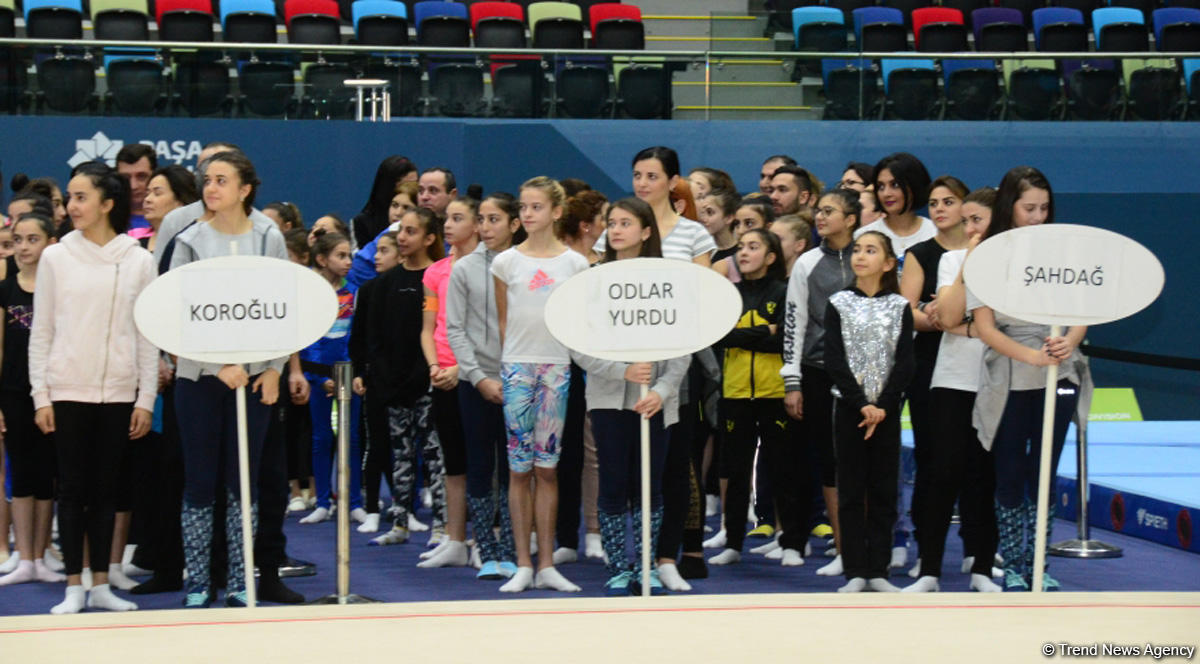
[540, 280]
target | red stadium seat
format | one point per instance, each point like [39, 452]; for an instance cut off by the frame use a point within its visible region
[482, 10]
[297, 7]
[612, 10]
[164, 6]
[926, 15]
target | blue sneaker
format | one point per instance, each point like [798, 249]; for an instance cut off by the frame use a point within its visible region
[1014, 582]
[236, 600]
[507, 568]
[489, 571]
[197, 599]
[656, 585]
[619, 585]
[1050, 584]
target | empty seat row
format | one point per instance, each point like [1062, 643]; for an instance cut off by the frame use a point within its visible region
[195, 85]
[1024, 90]
[996, 29]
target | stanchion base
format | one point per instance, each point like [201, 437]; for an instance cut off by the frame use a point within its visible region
[294, 568]
[348, 599]
[1075, 548]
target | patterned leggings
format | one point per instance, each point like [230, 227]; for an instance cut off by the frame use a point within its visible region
[409, 427]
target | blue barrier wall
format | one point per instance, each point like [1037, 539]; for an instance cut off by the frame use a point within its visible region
[1139, 179]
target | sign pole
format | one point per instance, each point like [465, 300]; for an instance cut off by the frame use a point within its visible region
[645, 446]
[244, 486]
[1044, 471]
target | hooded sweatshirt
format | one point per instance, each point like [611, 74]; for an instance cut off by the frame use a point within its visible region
[84, 345]
[472, 323]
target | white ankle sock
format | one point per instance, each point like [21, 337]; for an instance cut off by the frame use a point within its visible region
[415, 525]
[593, 545]
[899, 557]
[358, 514]
[533, 545]
[86, 578]
[716, 541]
[563, 555]
[24, 573]
[47, 575]
[317, 516]
[834, 569]
[53, 563]
[792, 558]
[519, 582]
[774, 554]
[668, 573]
[435, 550]
[117, 578]
[550, 579]
[726, 557]
[981, 583]
[915, 572]
[72, 603]
[831, 552]
[925, 584]
[101, 597]
[450, 554]
[881, 585]
[370, 524]
[856, 585]
[967, 564]
[712, 505]
[10, 564]
[764, 549]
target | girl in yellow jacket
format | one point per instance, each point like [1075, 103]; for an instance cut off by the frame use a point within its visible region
[752, 403]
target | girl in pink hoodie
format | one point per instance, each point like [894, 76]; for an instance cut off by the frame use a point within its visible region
[93, 376]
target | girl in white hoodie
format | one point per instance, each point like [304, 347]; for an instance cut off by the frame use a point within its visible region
[94, 378]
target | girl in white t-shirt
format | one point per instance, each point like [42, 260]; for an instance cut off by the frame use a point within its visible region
[535, 370]
[901, 187]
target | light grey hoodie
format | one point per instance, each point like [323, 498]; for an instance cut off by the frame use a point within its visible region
[83, 345]
[472, 323]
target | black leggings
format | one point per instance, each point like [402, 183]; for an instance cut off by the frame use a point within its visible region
[746, 421]
[448, 420]
[487, 443]
[90, 439]
[207, 413]
[570, 464]
[377, 452]
[618, 450]
[818, 421]
[867, 471]
[953, 466]
[1018, 443]
[30, 452]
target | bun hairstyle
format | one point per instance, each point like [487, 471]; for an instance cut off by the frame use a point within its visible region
[549, 186]
[245, 171]
[760, 204]
[665, 156]
[44, 221]
[509, 206]
[288, 212]
[848, 200]
[113, 187]
[580, 208]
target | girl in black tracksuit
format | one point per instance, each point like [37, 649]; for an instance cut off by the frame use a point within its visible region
[752, 406]
[869, 356]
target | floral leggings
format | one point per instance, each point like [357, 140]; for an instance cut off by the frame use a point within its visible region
[535, 408]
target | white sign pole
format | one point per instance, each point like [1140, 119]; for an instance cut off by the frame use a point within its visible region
[1044, 470]
[244, 486]
[646, 552]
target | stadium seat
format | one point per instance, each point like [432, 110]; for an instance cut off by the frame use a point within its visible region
[617, 27]
[1155, 93]
[1059, 29]
[1120, 29]
[1035, 92]
[972, 89]
[266, 89]
[457, 90]
[1177, 29]
[201, 89]
[967, 8]
[430, 8]
[847, 8]
[404, 81]
[8, 20]
[943, 38]
[583, 92]
[1094, 93]
[442, 24]
[326, 96]
[819, 30]
[910, 88]
[865, 16]
[1026, 7]
[940, 15]
[249, 21]
[498, 25]
[1085, 7]
[517, 90]
[556, 25]
[313, 21]
[644, 92]
[120, 20]
[906, 8]
[135, 87]
[184, 20]
[380, 22]
[611, 11]
[851, 90]
[999, 30]
[1144, 7]
[66, 85]
[54, 19]
[1191, 81]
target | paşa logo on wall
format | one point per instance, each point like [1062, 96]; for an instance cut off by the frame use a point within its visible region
[102, 148]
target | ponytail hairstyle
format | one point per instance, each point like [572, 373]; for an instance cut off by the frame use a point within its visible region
[296, 240]
[246, 174]
[288, 212]
[777, 270]
[550, 187]
[580, 208]
[682, 191]
[889, 281]
[113, 187]
[760, 204]
[717, 178]
[849, 202]
[44, 221]
[728, 200]
[509, 205]
[641, 210]
[798, 224]
[985, 196]
[665, 156]
[324, 245]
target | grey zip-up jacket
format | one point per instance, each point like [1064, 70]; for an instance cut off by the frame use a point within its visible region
[607, 388]
[817, 275]
[472, 323]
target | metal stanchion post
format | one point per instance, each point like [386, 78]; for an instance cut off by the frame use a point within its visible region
[1084, 546]
[373, 86]
[343, 376]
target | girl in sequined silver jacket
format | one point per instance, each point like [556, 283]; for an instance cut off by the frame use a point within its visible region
[869, 356]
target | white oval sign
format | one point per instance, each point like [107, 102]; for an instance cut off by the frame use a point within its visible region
[236, 309]
[643, 310]
[1064, 274]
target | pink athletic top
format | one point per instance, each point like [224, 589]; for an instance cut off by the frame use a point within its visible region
[437, 279]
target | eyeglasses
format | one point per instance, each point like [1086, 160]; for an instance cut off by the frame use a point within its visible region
[848, 184]
[827, 211]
